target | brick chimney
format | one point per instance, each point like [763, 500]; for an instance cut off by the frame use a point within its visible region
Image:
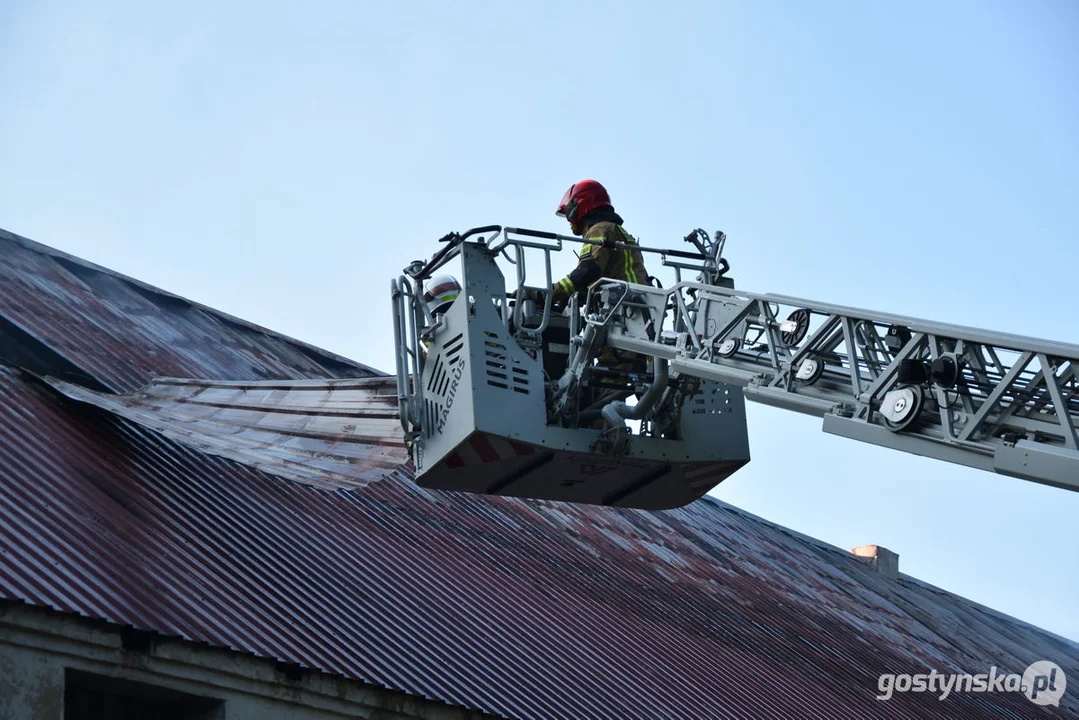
[885, 561]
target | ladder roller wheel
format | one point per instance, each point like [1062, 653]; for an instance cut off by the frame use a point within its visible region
[809, 370]
[800, 318]
[729, 347]
[902, 406]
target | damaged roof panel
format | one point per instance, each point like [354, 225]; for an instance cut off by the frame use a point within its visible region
[347, 435]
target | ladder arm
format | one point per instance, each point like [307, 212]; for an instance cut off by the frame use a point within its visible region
[1003, 403]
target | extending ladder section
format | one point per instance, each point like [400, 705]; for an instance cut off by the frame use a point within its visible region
[999, 402]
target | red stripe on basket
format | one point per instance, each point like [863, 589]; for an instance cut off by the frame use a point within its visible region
[522, 449]
[484, 449]
[709, 471]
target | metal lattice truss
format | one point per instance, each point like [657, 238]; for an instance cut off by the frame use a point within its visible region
[994, 401]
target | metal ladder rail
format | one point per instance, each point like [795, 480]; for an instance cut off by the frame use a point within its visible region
[1000, 402]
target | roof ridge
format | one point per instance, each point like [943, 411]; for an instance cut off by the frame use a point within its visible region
[40, 248]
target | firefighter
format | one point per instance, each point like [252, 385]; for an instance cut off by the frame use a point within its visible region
[588, 209]
[438, 294]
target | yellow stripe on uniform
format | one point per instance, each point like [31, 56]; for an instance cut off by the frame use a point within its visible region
[567, 285]
[627, 255]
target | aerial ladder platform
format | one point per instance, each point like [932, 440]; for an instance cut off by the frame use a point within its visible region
[505, 394]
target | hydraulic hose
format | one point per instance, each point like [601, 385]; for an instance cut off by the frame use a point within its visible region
[616, 413]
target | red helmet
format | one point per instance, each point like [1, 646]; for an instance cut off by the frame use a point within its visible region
[581, 199]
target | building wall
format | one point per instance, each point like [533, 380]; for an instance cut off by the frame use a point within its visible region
[43, 653]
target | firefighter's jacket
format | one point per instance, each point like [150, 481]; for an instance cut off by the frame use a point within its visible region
[599, 258]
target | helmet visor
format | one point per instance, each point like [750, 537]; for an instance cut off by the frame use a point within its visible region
[561, 211]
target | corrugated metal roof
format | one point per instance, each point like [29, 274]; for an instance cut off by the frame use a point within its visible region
[84, 323]
[324, 433]
[525, 609]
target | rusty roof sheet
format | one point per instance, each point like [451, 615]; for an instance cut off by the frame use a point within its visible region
[67, 317]
[526, 609]
[324, 433]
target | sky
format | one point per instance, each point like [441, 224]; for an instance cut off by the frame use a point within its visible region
[282, 162]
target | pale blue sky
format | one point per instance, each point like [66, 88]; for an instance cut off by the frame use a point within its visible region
[282, 161]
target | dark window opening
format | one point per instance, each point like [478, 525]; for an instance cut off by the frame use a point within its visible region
[88, 696]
